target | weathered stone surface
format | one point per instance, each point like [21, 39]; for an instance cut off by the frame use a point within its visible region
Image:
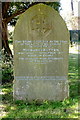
[41, 55]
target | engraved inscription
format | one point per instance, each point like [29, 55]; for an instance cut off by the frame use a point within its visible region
[41, 78]
[43, 52]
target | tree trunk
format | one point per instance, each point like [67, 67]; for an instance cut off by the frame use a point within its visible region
[5, 39]
[5, 44]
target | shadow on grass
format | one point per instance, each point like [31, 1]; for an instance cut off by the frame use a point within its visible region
[67, 108]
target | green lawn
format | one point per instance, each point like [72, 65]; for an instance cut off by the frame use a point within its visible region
[63, 109]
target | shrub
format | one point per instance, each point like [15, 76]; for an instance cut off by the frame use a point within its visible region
[7, 68]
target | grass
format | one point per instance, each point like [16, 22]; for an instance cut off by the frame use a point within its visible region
[68, 108]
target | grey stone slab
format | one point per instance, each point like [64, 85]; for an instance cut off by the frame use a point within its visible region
[41, 45]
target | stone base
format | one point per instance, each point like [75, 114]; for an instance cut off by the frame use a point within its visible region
[41, 90]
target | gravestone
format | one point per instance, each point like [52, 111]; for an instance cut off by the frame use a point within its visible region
[41, 55]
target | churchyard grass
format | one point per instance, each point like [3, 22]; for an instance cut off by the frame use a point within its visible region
[46, 109]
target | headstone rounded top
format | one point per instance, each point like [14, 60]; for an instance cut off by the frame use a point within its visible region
[41, 21]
